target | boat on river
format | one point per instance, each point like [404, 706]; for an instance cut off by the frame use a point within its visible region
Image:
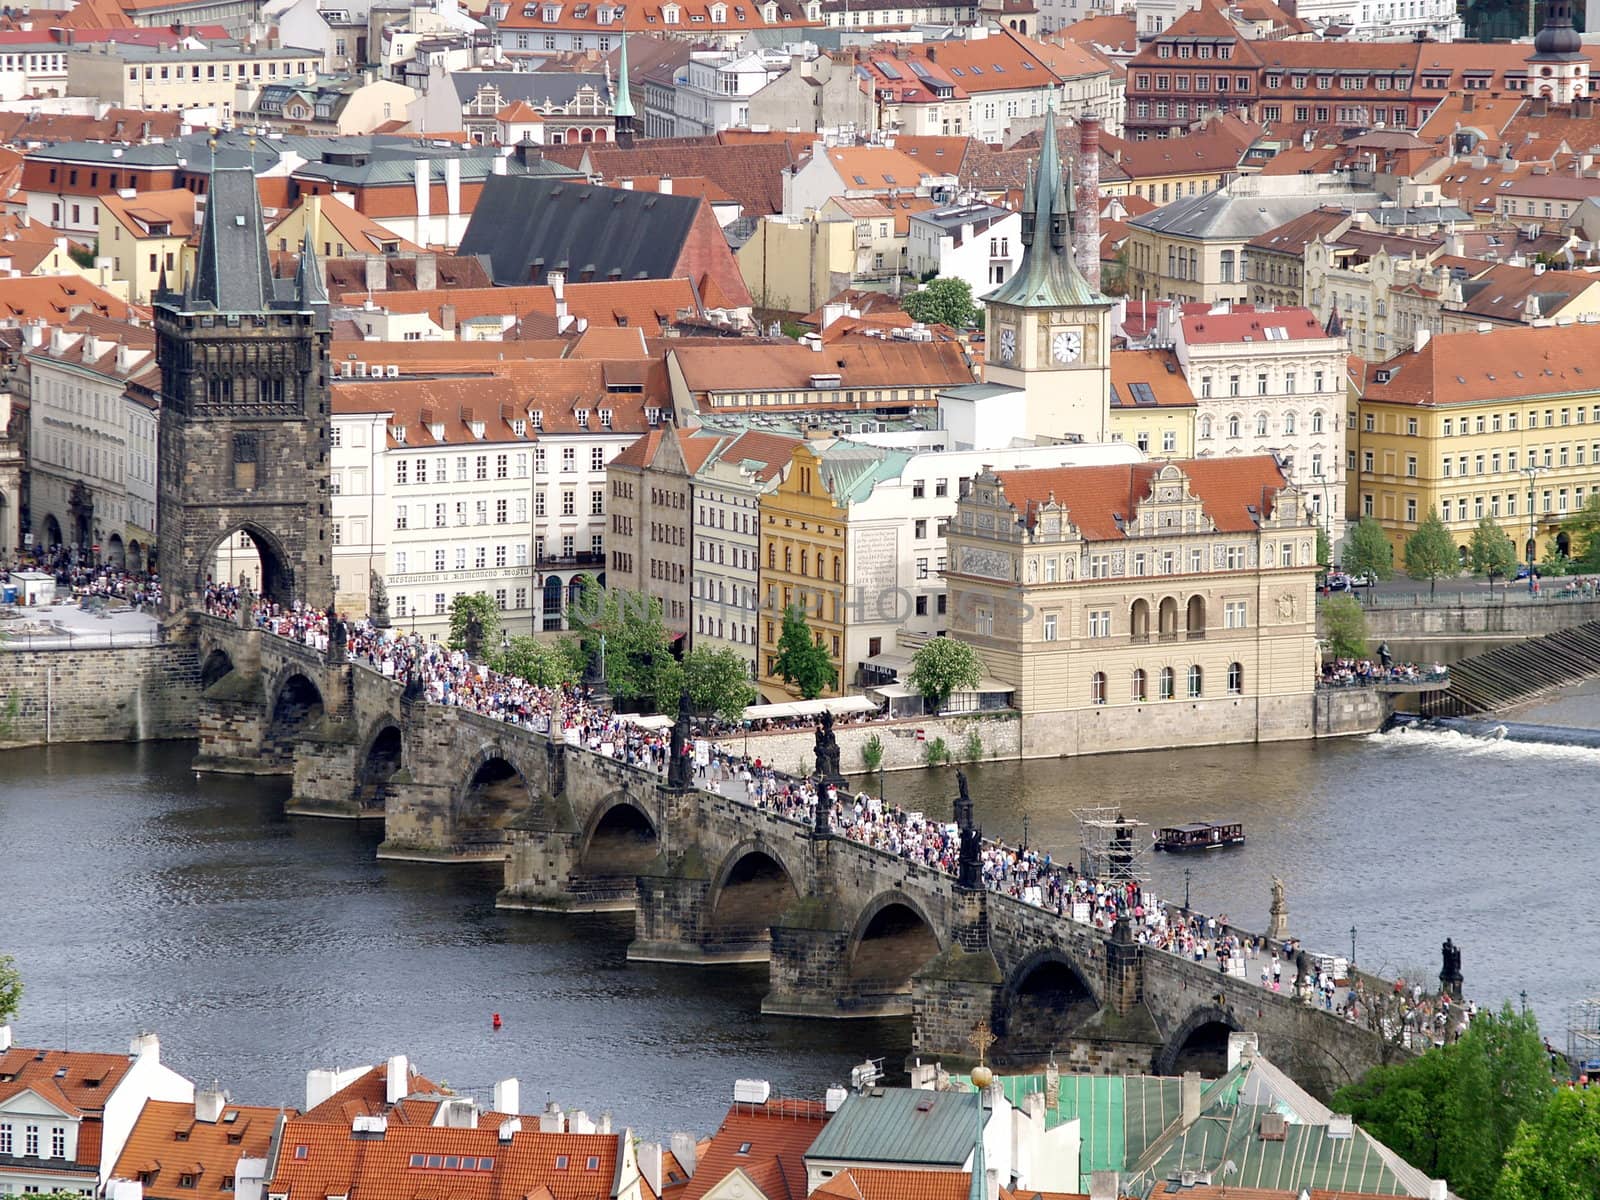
[1200, 835]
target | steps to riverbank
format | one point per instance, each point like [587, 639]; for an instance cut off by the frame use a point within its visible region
[1511, 675]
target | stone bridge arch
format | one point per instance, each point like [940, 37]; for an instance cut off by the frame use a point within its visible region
[382, 754]
[619, 837]
[750, 890]
[893, 938]
[1200, 1043]
[494, 789]
[295, 707]
[215, 664]
[1046, 998]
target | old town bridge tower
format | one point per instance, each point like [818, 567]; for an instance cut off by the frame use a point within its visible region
[244, 417]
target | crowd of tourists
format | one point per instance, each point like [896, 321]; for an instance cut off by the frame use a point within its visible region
[1028, 874]
[1366, 672]
[88, 581]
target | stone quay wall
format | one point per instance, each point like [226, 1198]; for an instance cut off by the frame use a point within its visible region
[124, 693]
[794, 751]
[1517, 619]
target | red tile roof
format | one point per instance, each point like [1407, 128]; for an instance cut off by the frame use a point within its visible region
[778, 1134]
[1095, 497]
[1505, 364]
[365, 1096]
[1157, 370]
[88, 1078]
[1246, 323]
[167, 1142]
[871, 1183]
[316, 1161]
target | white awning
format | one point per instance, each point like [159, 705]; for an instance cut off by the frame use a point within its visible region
[989, 685]
[894, 691]
[647, 720]
[838, 706]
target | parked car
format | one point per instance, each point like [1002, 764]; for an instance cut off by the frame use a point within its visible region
[1366, 579]
[1338, 582]
[1522, 572]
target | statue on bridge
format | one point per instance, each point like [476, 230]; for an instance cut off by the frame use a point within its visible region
[969, 863]
[377, 600]
[1278, 919]
[1450, 978]
[678, 765]
[247, 601]
[337, 638]
[414, 689]
[828, 773]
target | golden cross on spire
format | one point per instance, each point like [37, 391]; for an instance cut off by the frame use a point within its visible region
[981, 1038]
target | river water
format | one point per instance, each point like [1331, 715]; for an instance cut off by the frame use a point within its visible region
[135, 895]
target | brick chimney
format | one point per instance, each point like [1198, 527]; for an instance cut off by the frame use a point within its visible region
[1086, 242]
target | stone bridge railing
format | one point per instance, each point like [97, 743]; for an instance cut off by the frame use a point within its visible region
[849, 930]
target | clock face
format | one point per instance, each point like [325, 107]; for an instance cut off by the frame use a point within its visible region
[1008, 344]
[1066, 345]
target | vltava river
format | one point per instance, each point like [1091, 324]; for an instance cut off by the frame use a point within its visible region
[135, 896]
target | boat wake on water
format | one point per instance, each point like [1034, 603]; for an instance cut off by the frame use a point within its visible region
[1547, 743]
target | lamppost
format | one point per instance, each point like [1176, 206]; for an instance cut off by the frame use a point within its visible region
[1532, 472]
[1524, 1000]
[1186, 873]
[1352, 946]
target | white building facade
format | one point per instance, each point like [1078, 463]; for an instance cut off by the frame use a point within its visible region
[1269, 381]
[979, 243]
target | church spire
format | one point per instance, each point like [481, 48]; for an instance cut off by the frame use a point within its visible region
[1047, 277]
[310, 288]
[622, 100]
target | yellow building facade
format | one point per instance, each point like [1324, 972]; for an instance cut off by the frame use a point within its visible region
[1504, 424]
[1152, 406]
[802, 556]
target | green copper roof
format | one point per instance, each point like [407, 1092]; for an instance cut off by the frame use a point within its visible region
[622, 105]
[1047, 277]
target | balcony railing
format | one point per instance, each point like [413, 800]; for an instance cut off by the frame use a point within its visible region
[589, 558]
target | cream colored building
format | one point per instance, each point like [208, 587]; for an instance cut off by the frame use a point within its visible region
[146, 235]
[797, 264]
[151, 78]
[1140, 607]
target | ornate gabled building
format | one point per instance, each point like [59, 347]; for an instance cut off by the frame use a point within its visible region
[1049, 333]
[1141, 605]
[244, 430]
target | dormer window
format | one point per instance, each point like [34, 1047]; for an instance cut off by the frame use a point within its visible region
[476, 427]
[552, 14]
[519, 427]
[583, 417]
[398, 432]
[605, 418]
[670, 13]
[719, 12]
[536, 416]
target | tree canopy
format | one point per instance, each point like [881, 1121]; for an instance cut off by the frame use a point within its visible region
[1345, 623]
[473, 623]
[1492, 551]
[1556, 1157]
[945, 301]
[1454, 1111]
[557, 663]
[717, 680]
[942, 666]
[1368, 551]
[629, 629]
[10, 989]
[1583, 532]
[802, 662]
[1431, 552]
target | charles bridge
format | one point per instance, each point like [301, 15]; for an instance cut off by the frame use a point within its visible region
[848, 930]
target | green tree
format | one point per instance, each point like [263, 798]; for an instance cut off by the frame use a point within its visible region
[1492, 551]
[936, 754]
[1324, 551]
[802, 661]
[1583, 535]
[628, 628]
[943, 302]
[473, 623]
[942, 666]
[557, 663]
[972, 748]
[872, 753]
[1368, 551]
[1346, 624]
[719, 682]
[1431, 552]
[10, 989]
[1454, 1111]
[1556, 1157]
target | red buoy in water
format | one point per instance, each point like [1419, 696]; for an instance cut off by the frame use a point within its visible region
[497, 1020]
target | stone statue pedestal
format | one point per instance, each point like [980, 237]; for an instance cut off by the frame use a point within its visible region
[1278, 919]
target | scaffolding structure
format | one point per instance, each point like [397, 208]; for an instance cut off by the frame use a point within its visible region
[1111, 845]
[1583, 1036]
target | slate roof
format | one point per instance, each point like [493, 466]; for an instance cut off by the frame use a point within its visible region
[899, 1125]
[1229, 214]
[527, 225]
[535, 87]
[233, 274]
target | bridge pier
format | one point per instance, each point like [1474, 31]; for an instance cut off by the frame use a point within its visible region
[233, 716]
[325, 772]
[960, 988]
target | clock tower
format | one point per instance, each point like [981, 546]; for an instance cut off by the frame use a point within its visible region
[1049, 332]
